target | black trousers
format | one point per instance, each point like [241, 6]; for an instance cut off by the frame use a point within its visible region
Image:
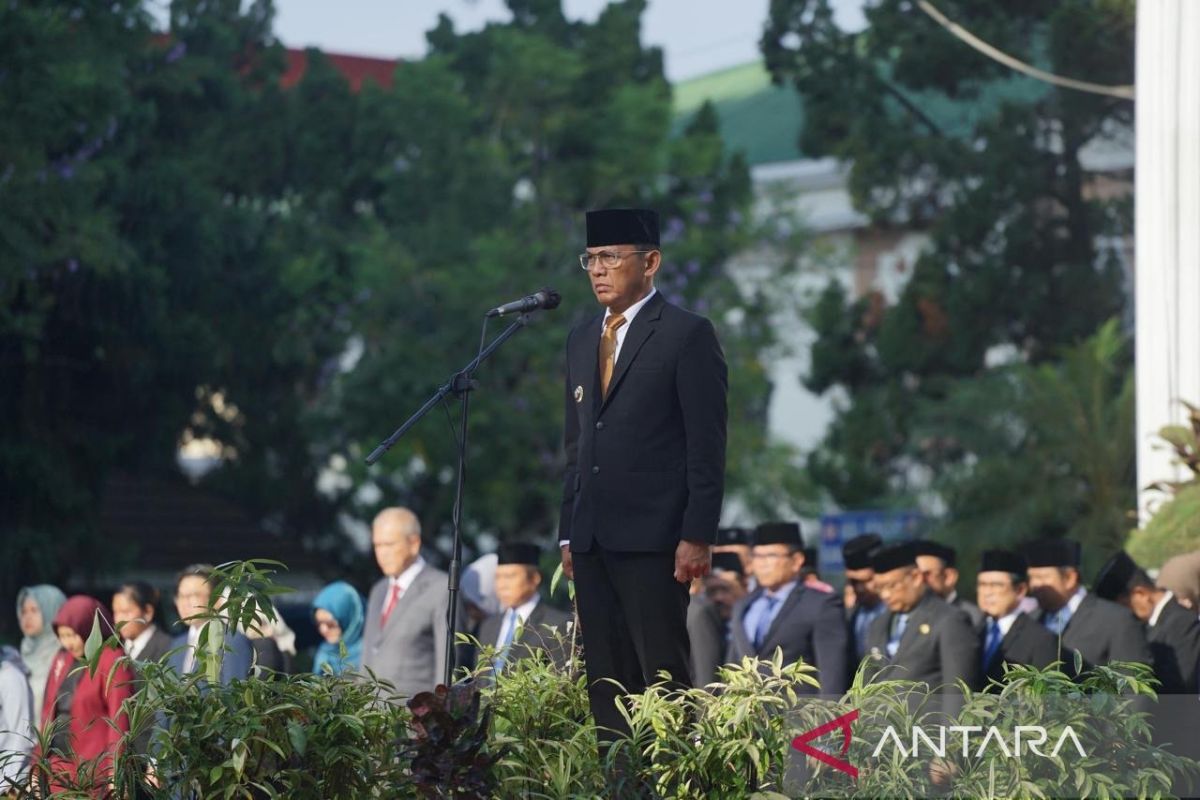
[633, 617]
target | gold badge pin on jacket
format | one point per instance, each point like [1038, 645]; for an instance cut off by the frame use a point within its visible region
[924, 628]
[578, 394]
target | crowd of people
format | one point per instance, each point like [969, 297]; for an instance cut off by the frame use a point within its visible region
[900, 611]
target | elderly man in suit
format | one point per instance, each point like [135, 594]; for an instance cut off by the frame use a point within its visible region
[1010, 636]
[524, 624]
[783, 614]
[920, 637]
[939, 564]
[1172, 631]
[644, 435]
[1099, 630]
[404, 638]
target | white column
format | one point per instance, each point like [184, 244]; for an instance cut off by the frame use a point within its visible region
[1167, 229]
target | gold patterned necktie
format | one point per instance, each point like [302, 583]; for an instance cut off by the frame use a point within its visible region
[608, 351]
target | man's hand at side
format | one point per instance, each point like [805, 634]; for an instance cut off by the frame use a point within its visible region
[567, 565]
[692, 560]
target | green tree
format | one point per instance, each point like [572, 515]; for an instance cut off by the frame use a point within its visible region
[553, 117]
[1024, 243]
[1045, 448]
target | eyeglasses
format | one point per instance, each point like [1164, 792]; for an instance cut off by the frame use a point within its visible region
[605, 258]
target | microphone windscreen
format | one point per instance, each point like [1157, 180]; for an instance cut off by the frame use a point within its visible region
[553, 298]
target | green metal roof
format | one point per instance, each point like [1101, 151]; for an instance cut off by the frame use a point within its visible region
[763, 121]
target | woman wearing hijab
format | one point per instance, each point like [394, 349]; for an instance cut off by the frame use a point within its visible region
[87, 705]
[36, 607]
[339, 613]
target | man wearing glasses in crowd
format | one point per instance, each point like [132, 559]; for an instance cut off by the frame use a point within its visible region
[645, 442]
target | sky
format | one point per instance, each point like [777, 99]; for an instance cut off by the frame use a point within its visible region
[697, 36]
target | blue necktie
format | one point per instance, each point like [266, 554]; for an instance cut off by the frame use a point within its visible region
[764, 621]
[1055, 621]
[898, 625]
[992, 643]
[510, 630]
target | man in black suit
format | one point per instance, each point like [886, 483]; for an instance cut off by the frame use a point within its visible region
[862, 602]
[525, 624]
[1100, 631]
[939, 564]
[920, 637]
[1010, 636]
[784, 614]
[644, 434]
[1172, 631]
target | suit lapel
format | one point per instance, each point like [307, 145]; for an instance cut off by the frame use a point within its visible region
[737, 622]
[916, 618]
[405, 601]
[792, 600]
[639, 331]
[586, 364]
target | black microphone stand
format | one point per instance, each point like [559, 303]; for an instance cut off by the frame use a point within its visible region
[460, 384]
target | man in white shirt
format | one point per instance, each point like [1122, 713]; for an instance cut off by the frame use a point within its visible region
[404, 639]
[525, 623]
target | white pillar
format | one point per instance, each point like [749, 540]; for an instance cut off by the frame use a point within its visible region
[1167, 229]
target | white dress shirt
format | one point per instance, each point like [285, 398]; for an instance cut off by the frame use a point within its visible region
[1158, 608]
[403, 580]
[523, 612]
[629, 314]
[135, 646]
[1005, 623]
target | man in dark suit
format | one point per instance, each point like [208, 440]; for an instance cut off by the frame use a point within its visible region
[1010, 636]
[708, 615]
[920, 637]
[1172, 631]
[862, 602]
[785, 615]
[404, 636]
[525, 624]
[644, 434]
[1100, 631]
[939, 564]
[193, 590]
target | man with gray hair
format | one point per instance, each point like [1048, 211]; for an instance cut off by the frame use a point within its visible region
[405, 633]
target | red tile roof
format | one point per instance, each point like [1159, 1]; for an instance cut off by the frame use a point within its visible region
[355, 69]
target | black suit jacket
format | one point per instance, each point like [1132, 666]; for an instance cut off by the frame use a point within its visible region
[938, 646]
[1027, 643]
[810, 625]
[646, 465]
[1103, 632]
[534, 633]
[158, 646]
[974, 614]
[1175, 645]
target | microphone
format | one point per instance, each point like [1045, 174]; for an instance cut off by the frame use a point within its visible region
[544, 298]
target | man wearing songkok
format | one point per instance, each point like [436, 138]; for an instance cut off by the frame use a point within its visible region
[939, 564]
[525, 623]
[1010, 636]
[864, 604]
[784, 614]
[644, 434]
[1172, 631]
[1099, 630]
[920, 637]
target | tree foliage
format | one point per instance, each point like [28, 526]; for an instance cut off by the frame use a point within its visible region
[1024, 252]
[191, 251]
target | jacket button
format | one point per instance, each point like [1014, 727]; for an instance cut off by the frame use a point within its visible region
[599, 426]
[595, 470]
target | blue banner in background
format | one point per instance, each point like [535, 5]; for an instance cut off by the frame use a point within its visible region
[892, 526]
